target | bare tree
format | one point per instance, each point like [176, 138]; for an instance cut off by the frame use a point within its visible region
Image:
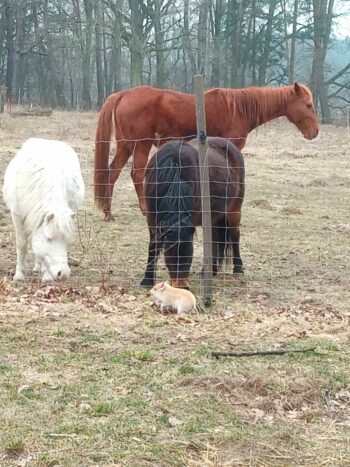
[98, 51]
[322, 17]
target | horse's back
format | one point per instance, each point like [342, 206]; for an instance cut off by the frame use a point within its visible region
[147, 112]
[226, 172]
[43, 170]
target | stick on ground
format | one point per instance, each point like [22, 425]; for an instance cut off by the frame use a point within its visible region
[256, 353]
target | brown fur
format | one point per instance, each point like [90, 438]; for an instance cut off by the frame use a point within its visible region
[173, 200]
[143, 116]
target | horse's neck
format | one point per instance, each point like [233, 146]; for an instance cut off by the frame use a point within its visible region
[260, 105]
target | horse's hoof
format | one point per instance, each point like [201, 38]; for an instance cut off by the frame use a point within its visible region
[239, 275]
[238, 271]
[18, 277]
[108, 217]
[147, 283]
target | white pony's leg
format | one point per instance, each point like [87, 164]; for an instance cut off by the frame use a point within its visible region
[21, 246]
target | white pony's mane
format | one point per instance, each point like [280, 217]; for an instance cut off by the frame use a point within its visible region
[45, 199]
[49, 181]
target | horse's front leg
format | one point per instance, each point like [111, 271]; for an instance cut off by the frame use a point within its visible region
[21, 246]
[36, 267]
[153, 253]
[140, 154]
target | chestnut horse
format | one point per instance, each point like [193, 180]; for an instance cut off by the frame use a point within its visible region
[173, 203]
[146, 116]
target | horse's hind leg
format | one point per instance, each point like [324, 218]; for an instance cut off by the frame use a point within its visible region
[120, 159]
[21, 247]
[233, 220]
[140, 154]
[153, 253]
[219, 239]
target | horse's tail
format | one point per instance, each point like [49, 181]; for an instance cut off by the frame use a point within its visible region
[106, 120]
[169, 191]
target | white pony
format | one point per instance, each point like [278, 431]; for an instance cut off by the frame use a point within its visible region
[43, 188]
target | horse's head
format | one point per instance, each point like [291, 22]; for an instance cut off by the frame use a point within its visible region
[50, 250]
[300, 110]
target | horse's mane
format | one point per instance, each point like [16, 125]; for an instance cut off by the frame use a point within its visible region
[255, 103]
[48, 185]
[62, 223]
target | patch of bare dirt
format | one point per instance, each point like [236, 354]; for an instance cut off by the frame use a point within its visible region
[290, 211]
[261, 203]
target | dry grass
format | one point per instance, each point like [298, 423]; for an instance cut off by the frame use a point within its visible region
[92, 376]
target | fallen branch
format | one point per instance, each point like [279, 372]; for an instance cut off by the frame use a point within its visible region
[256, 353]
[32, 113]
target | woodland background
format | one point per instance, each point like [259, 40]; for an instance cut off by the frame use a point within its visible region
[71, 54]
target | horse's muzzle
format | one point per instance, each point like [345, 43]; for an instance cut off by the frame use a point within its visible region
[311, 136]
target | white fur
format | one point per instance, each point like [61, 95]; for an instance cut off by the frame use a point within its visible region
[43, 188]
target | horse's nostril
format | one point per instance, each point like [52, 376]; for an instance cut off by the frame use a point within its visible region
[59, 274]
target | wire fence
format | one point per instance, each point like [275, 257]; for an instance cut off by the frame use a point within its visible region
[281, 241]
[294, 232]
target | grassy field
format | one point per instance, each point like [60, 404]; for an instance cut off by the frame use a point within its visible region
[91, 373]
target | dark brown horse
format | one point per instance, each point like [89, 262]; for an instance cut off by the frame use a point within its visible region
[173, 203]
[144, 116]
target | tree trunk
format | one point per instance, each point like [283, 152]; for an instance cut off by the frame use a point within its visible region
[88, 6]
[253, 56]
[203, 38]
[115, 74]
[10, 50]
[98, 47]
[187, 43]
[216, 33]
[106, 64]
[136, 42]
[159, 44]
[285, 31]
[236, 43]
[267, 43]
[323, 16]
[245, 56]
[293, 42]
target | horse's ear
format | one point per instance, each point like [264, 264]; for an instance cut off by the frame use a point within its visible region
[48, 218]
[298, 89]
[163, 286]
[48, 228]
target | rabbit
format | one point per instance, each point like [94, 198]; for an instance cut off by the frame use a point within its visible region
[180, 300]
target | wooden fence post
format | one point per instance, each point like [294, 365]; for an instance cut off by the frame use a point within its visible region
[205, 191]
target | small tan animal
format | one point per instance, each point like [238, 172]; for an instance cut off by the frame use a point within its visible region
[180, 300]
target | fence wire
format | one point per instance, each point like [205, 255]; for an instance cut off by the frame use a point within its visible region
[276, 230]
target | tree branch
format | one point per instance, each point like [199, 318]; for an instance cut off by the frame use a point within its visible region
[338, 75]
